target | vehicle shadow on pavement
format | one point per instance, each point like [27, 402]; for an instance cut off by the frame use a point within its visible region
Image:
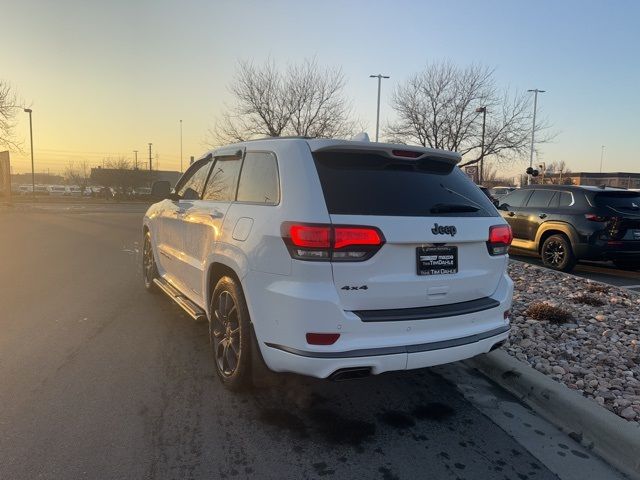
[390, 426]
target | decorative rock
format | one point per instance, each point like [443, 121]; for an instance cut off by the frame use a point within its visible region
[597, 353]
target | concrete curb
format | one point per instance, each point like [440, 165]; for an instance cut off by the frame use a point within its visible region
[609, 436]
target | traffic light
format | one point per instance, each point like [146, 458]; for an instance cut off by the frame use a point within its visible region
[533, 172]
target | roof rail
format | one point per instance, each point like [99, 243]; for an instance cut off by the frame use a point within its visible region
[290, 137]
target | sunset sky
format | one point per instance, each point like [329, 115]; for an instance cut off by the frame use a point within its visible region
[106, 78]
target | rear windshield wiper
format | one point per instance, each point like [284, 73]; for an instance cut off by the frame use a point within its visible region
[453, 208]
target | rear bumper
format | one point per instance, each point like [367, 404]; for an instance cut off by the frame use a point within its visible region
[284, 311]
[322, 365]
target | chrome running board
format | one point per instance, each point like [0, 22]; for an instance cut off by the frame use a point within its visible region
[193, 310]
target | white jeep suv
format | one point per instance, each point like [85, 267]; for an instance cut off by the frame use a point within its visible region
[332, 258]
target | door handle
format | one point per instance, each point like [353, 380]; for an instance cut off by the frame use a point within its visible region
[543, 215]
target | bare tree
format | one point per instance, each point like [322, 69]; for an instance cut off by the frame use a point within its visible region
[557, 172]
[492, 178]
[304, 99]
[437, 108]
[77, 173]
[9, 108]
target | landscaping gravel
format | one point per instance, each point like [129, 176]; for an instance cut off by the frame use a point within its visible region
[592, 343]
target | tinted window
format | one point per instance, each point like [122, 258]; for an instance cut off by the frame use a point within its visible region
[259, 179]
[515, 199]
[618, 200]
[370, 184]
[540, 198]
[191, 188]
[566, 199]
[223, 180]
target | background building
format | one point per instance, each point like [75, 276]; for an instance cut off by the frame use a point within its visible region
[610, 179]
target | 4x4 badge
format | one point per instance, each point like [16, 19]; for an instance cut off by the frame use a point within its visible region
[444, 230]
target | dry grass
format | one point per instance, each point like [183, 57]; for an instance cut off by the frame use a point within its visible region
[544, 311]
[589, 300]
[598, 288]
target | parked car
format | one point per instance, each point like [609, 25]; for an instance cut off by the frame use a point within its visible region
[487, 192]
[499, 192]
[25, 189]
[331, 258]
[74, 191]
[141, 193]
[565, 224]
[56, 190]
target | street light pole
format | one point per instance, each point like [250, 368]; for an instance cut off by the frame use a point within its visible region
[379, 77]
[135, 152]
[33, 171]
[533, 129]
[601, 157]
[482, 110]
[150, 156]
[180, 145]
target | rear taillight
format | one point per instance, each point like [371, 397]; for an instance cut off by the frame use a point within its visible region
[500, 237]
[595, 218]
[338, 243]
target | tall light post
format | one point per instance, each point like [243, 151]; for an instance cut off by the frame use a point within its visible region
[533, 128]
[180, 145]
[601, 157]
[33, 170]
[135, 153]
[150, 157]
[379, 77]
[482, 110]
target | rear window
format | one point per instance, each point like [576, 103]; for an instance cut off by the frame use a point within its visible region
[618, 200]
[370, 184]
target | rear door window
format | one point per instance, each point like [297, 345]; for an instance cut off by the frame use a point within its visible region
[372, 184]
[223, 181]
[515, 199]
[540, 198]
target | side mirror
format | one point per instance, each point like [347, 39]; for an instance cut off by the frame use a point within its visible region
[161, 189]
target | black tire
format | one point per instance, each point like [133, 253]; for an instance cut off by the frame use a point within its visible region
[557, 254]
[230, 335]
[630, 265]
[149, 267]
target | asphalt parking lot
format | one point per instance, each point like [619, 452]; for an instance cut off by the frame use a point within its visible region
[102, 380]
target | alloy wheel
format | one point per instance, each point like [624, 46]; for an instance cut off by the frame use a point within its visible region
[554, 253]
[148, 262]
[225, 333]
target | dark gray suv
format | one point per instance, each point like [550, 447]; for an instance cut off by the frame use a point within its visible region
[564, 224]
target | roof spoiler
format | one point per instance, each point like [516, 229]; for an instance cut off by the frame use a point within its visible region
[401, 152]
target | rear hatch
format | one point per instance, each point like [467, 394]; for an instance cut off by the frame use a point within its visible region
[434, 220]
[621, 209]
